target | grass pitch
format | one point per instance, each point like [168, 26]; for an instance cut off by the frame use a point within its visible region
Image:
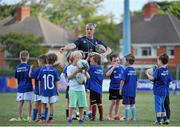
[144, 106]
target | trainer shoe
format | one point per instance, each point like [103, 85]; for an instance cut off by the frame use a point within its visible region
[166, 122]
[81, 121]
[116, 117]
[157, 123]
[29, 119]
[69, 121]
[19, 119]
[110, 117]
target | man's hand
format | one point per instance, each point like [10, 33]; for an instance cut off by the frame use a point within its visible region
[63, 49]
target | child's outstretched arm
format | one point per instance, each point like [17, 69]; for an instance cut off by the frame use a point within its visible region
[150, 77]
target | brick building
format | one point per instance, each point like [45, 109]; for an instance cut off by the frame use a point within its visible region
[153, 34]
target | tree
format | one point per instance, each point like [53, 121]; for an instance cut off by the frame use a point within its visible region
[108, 33]
[172, 8]
[13, 43]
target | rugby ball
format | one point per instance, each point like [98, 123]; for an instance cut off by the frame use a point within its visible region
[151, 70]
[83, 64]
[81, 78]
[100, 48]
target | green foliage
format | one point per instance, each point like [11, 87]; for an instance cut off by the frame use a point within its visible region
[6, 72]
[108, 33]
[172, 8]
[76, 13]
[7, 10]
[13, 43]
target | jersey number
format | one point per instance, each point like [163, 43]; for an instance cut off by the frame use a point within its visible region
[48, 81]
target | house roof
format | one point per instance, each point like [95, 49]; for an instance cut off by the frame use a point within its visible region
[160, 29]
[53, 35]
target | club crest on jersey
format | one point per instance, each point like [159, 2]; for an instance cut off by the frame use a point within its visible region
[84, 41]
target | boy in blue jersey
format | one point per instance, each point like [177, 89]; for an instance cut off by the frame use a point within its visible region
[129, 84]
[95, 85]
[48, 77]
[161, 78]
[24, 85]
[77, 94]
[115, 72]
[37, 98]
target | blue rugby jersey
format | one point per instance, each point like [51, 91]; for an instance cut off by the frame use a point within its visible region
[116, 77]
[130, 82]
[48, 76]
[22, 76]
[96, 78]
[162, 78]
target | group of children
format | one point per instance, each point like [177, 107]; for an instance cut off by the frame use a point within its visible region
[123, 84]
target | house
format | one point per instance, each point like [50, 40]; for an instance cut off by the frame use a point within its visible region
[153, 34]
[54, 36]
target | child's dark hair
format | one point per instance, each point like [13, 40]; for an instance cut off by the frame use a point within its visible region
[164, 58]
[113, 56]
[51, 58]
[24, 55]
[97, 58]
[42, 59]
[130, 58]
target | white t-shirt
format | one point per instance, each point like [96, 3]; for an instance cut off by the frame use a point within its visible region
[73, 83]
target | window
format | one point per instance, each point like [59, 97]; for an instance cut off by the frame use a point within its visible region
[146, 51]
[170, 51]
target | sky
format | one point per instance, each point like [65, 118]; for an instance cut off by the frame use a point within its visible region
[114, 7]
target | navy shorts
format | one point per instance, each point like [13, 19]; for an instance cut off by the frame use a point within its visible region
[114, 95]
[128, 100]
[95, 98]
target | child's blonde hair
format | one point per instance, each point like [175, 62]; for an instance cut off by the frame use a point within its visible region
[24, 55]
[75, 54]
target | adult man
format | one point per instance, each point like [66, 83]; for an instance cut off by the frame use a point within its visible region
[87, 43]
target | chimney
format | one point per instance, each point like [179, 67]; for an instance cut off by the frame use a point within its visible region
[22, 12]
[150, 9]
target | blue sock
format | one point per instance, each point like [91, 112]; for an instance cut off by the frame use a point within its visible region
[133, 111]
[46, 113]
[35, 111]
[158, 119]
[126, 113]
[43, 116]
[164, 118]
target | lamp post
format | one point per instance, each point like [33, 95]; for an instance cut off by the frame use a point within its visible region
[126, 30]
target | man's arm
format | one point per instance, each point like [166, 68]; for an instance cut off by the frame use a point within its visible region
[68, 47]
[108, 51]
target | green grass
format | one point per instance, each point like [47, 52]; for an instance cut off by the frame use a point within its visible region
[144, 105]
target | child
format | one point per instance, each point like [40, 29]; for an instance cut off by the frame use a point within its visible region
[95, 85]
[129, 84]
[24, 85]
[167, 99]
[115, 72]
[77, 94]
[37, 98]
[161, 78]
[48, 77]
